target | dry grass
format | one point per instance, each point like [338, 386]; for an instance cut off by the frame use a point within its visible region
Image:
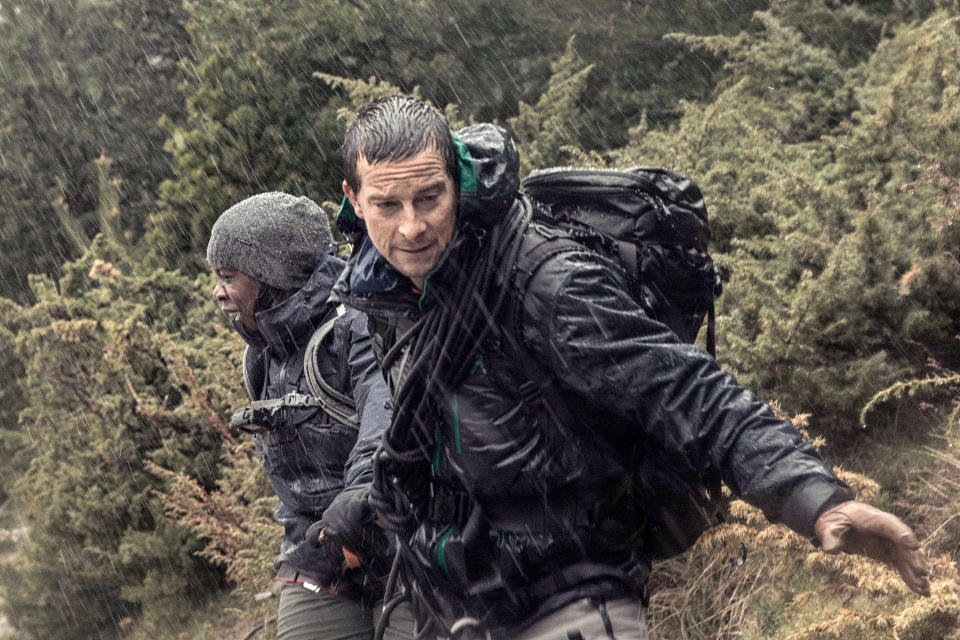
[750, 580]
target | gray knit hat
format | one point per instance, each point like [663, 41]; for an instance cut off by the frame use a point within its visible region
[276, 238]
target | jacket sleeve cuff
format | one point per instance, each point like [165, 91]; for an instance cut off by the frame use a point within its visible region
[808, 501]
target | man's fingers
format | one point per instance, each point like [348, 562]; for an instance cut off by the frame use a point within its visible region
[855, 527]
[903, 554]
[353, 561]
[914, 571]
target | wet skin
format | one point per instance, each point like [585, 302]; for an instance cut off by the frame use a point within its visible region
[237, 294]
[409, 207]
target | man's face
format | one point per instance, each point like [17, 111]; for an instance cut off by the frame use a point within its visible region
[237, 294]
[409, 207]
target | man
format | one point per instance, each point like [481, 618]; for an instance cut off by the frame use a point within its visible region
[274, 260]
[519, 408]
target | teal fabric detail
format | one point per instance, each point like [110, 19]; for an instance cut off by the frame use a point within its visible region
[455, 407]
[468, 172]
[436, 450]
[442, 552]
[478, 366]
[423, 294]
[346, 210]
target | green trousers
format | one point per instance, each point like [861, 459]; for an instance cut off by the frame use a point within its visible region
[619, 619]
[306, 615]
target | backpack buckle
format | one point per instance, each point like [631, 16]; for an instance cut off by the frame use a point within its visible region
[246, 420]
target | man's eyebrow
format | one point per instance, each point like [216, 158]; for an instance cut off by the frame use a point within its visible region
[384, 197]
[438, 184]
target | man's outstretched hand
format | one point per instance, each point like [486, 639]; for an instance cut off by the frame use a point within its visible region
[856, 527]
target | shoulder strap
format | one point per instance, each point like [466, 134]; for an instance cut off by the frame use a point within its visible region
[340, 406]
[539, 244]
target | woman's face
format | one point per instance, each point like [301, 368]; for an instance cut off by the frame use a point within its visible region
[237, 294]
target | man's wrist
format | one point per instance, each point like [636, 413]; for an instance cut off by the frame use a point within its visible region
[811, 500]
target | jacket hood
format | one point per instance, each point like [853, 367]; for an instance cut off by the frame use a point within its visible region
[488, 181]
[287, 327]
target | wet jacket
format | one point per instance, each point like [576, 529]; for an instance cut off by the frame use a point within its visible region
[532, 522]
[311, 457]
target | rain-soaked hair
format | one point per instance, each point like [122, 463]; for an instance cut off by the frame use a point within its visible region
[396, 128]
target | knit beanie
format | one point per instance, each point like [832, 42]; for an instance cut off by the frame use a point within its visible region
[275, 238]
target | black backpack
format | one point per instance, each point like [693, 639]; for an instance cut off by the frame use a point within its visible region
[654, 223]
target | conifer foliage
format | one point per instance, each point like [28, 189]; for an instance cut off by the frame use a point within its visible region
[124, 373]
[824, 135]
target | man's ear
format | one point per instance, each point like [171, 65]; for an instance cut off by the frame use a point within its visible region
[352, 197]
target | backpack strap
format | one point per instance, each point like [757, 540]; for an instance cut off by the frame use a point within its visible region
[541, 385]
[268, 415]
[255, 377]
[339, 406]
[539, 244]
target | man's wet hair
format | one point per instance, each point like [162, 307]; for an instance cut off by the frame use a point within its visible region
[396, 128]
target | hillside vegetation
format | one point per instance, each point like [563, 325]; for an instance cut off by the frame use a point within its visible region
[825, 135]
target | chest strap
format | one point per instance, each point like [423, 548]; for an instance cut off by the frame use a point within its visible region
[269, 415]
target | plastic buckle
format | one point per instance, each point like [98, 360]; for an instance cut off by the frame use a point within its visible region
[245, 420]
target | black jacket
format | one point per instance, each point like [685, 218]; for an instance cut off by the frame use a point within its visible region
[312, 458]
[539, 527]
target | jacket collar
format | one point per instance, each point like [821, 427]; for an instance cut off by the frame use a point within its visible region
[287, 327]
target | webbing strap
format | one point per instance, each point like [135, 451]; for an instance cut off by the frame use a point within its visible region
[262, 415]
[293, 400]
[628, 255]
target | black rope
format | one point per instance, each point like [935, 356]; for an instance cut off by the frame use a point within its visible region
[440, 350]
